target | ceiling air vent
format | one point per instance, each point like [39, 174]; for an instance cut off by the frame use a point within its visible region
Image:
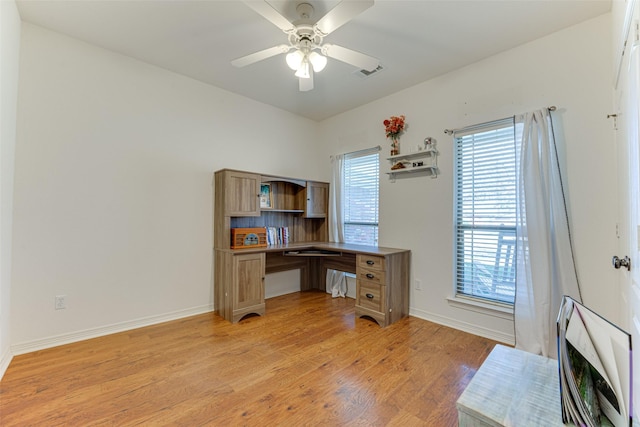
[364, 74]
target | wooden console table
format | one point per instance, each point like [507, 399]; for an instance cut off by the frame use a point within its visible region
[512, 388]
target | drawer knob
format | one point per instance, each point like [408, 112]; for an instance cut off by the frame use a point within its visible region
[369, 262]
[369, 296]
[370, 276]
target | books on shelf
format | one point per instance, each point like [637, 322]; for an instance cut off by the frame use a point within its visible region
[594, 360]
[277, 235]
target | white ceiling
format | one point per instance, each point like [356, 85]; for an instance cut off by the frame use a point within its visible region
[415, 40]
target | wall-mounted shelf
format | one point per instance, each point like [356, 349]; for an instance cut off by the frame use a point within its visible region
[429, 164]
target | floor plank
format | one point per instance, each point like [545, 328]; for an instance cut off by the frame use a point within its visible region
[309, 361]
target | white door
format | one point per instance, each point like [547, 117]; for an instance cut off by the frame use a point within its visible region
[628, 147]
[627, 195]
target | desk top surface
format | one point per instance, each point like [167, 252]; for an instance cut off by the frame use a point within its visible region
[327, 246]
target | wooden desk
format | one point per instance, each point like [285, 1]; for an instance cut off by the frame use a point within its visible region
[512, 388]
[301, 207]
[382, 284]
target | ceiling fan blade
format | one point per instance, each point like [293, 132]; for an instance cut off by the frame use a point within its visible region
[344, 12]
[306, 85]
[259, 56]
[352, 57]
[272, 15]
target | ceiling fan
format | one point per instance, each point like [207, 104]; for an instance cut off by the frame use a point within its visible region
[305, 38]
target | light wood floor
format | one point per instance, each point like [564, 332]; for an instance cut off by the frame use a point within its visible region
[307, 362]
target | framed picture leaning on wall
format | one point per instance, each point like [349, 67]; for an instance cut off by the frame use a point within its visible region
[594, 358]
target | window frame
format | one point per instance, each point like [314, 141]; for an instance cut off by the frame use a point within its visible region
[346, 221]
[460, 241]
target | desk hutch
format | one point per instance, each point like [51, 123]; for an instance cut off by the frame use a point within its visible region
[382, 284]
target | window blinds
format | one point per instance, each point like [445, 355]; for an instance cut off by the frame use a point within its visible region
[485, 211]
[361, 189]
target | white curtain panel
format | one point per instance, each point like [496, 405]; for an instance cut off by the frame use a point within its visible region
[336, 280]
[546, 269]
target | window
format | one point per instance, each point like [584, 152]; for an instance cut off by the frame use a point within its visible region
[361, 188]
[485, 211]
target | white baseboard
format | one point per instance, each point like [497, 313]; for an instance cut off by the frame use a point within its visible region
[4, 361]
[463, 326]
[54, 341]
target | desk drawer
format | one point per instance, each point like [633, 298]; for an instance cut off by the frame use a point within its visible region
[371, 275]
[371, 261]
[371, 296]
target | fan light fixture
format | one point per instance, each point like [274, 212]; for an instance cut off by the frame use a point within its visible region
[306, 37]
[299, 62]
[318, 61]
[294, 59]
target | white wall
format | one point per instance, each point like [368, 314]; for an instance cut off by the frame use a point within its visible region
[9, 60]
[569, 69]
[113, 186]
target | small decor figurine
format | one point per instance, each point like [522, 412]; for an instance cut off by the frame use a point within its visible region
[393, 127]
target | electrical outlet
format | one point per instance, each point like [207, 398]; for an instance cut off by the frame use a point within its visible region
[418, 284]
[61, 302]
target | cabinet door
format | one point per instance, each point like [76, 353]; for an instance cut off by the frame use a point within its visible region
[242, 194]
[317, 200]
[249, 272]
